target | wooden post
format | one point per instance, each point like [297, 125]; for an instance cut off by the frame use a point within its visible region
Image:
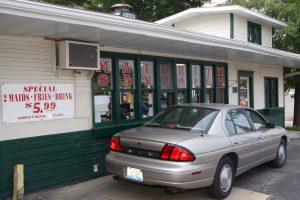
[18, 193]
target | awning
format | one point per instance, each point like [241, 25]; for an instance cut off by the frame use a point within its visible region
[27, 18]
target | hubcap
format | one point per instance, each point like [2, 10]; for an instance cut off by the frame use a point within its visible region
[281, 153]
[226, 178]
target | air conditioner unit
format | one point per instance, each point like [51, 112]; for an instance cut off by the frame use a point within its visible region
[78, 55]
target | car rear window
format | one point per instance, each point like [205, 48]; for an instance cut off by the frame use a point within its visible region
[196, 119]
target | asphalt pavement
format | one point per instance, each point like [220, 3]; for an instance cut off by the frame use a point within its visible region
[260, 183]
[282, 183]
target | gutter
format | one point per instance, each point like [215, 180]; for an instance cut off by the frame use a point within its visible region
[62, 14]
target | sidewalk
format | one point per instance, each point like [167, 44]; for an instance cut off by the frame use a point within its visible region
[106, 188]
[294, 134]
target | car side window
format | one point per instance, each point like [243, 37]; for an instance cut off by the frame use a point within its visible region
[230, 125]
[241, 123]
[257, 120]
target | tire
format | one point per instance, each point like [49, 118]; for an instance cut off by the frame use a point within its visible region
[280, 159]
[221, 189]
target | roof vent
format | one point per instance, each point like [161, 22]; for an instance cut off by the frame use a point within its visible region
[123, 10]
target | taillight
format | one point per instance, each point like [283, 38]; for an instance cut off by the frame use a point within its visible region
[176, 153]
[115, 144]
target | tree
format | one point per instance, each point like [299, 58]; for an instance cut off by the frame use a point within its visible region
[287, 39]
[148, 10]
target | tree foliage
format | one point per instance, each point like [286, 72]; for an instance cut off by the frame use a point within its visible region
[148, 10]
[287, 39]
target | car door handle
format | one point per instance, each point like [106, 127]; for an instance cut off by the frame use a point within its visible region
[236, 142]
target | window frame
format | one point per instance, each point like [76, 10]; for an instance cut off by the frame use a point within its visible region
[198, 89]
[262, 117]
[118, 90]
[156, 91]
[141, 89]
[254, 26]
[186, 89]
[113, 96]
[268, 99]
[248, 119]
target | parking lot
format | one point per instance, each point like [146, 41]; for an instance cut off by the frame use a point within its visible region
[283, 182]
[260, 183]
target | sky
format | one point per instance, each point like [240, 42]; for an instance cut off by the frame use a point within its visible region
[214, 3]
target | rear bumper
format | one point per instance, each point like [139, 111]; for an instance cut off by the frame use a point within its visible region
[162, 173]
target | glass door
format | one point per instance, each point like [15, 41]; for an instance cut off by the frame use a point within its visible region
[244, 91]
[245, 82]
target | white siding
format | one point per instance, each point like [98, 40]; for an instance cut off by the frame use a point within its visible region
[218, 24]
[260, 72]
[266, 36]
[240, 28]
[241, 31]
[30, 60]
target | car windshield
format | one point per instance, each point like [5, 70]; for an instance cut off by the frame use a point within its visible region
[197, 119]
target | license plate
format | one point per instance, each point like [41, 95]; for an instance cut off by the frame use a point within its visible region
[134, 174]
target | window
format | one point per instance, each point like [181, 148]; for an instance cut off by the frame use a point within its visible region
[181, 83]
[103, 91]
[254, 33]
[187, 118]
[258, 121]
[196, 83]
[147, 86]
[220, 84]
[271, 92]
[240, 121]
[209, 84]
[127, 89]
[229, 125]
[167, 95]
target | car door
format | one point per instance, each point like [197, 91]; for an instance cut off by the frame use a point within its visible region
[244, 138]
[269, 140]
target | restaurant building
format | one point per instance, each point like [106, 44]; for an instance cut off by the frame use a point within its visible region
[70, 79]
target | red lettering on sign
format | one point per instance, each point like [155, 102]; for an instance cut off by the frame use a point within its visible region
[146, 65]
[147, 80]
[126, 68]
[104, 66]
[127, 80]
[103, 80]
[195, 70]
[181, 80]
[181, 69]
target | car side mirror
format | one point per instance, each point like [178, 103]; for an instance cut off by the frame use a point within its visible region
[270, 125]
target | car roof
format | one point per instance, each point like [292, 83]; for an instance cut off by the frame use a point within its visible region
[217, 106]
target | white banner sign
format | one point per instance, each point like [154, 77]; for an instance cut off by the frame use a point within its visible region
[36, 102]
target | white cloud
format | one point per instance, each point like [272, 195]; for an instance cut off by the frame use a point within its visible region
[214, 3]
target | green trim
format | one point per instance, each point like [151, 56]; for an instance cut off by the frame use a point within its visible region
[215, 76]
[231, 26]
[274, 115]
[268, 101]
[248, 74]
[226, 85]
[251, 26]
[156, 91]
[52, 160]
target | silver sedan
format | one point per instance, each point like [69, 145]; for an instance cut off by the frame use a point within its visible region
[195, 146]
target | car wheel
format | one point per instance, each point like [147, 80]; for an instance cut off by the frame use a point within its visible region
[280, 159]
[223, 179]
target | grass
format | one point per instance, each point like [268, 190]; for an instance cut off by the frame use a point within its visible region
[294, 128]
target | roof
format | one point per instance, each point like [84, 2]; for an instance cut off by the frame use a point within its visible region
[237, 10]
[28, 18]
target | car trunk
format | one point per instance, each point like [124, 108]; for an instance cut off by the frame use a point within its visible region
[149, 141]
